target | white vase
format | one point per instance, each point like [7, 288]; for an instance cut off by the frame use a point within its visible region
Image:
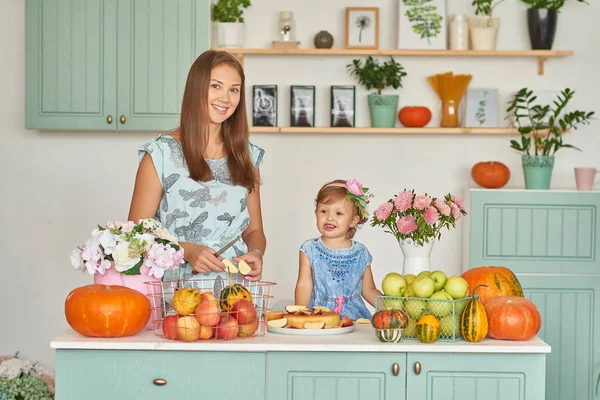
[230, 34]
[416, 257]
[483, 32]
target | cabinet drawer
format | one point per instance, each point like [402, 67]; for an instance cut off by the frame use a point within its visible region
[127, 375]
[324, 375]
[535, 231]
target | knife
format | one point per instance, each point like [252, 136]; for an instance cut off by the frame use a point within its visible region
[227, 246]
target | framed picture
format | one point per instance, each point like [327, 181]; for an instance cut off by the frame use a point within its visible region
[264, 105]
[303, 106]
[481, 108]
[362, 28]
[343, 104]
[422, 24]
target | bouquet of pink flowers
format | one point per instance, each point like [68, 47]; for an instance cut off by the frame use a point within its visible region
[418, 217]
[126, 247]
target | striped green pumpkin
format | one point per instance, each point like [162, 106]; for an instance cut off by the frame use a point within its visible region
[474, 322]
[389, 335]
[428, 328]
[231, 294]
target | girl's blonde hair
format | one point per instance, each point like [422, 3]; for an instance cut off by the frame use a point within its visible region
[335, 191]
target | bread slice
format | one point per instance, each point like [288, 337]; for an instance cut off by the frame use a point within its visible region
[331, 320]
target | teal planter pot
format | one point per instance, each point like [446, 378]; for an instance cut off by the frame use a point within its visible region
[537, 171]
[383, 109]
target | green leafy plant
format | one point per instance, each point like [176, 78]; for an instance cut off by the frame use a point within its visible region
[546, 124]
[486, 7]
[374, 75]
[425, 20]
[229, 10]
[551, 4]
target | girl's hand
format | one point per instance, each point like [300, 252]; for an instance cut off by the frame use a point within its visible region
[202, 259]
[253, 260]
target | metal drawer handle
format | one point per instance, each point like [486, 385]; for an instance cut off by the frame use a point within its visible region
[395, 369]
[109, 119]
[160, 382]
[417, 368]
[122, 119]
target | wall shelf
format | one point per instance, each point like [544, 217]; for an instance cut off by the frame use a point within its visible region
[394, 131]
[541, 55]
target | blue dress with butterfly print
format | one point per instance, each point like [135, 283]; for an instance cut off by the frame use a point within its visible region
[208, 213]
[338, 272]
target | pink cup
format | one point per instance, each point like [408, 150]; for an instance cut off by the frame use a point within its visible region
[584, 178]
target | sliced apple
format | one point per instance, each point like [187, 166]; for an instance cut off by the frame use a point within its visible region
[244, 268]
[314, 325]
[274, 315]
[322, 308]
[277, 323]
[346, 321]
[362, 321]
[229, 267]
[317, 312]
[293, 308]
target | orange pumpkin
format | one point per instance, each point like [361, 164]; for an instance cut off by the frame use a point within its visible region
[512, 318]
[414, 116]
[490, 174]
[500, 281]
[107, 311]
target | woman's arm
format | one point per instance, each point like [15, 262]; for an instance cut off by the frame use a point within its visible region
[254, 236]
[369, 291]
[304, 285]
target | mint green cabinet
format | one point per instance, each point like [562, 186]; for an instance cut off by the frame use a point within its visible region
[551, 240]
[108, 64]
[122, 374]
[325, 376]
[453, 376]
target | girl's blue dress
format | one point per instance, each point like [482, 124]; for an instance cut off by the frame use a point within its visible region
[338, 272]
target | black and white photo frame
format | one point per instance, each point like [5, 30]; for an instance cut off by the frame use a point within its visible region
[362, 28]
[264, 105]
[302, 110]
[343, 106]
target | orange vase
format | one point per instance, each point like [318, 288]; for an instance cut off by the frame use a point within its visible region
[449, 114]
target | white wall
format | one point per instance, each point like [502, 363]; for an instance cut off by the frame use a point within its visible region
[56, 186]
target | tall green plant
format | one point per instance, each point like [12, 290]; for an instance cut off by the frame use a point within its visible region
[374, 75]
[485, 7]
[546, 124]
[551, 4]
[229, 10]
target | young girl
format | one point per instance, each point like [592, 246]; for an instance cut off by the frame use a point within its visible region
[335, 271]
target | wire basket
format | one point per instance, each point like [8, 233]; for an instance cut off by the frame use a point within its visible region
[447, 312]
[199, 312]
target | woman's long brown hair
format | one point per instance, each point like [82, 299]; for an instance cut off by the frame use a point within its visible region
[194, 123]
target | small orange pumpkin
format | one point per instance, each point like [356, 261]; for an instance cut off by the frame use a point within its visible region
[499, 281]
[512, 318]
[107, 311]
[490, 174]
[414, 116]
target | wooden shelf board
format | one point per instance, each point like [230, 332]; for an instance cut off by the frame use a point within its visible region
[396, 131]
[393, 52]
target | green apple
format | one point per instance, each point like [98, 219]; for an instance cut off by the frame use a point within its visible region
[439, 278]
[457, 287]
[409, 278]
[409, 292]
[393, 303]
[459, 306]
[447, 324]
[393, 284]
[423, 273]
[438, 307]
[411, 328]
[415, 308]
[423, 287]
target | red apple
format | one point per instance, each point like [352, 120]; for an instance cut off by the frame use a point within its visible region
[169, 327]
[248, 329]
[243, 311]
[206, 332]
[346, 321]
[207, 312]
[227, 327]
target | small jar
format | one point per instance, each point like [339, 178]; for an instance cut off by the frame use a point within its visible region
[287, 26]
[459, 33]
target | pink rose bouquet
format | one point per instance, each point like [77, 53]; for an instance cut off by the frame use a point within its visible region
[126, 247]
[418, 217]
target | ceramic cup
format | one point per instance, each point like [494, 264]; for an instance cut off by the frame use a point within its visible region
[584, 178]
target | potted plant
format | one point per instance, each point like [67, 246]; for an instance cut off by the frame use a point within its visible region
[542, 128]
[542, 17]
[229, 19]
[375, 75]
[484, 27]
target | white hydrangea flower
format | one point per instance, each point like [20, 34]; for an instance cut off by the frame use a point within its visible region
[76, 260]
[166, 235]
[123, 260]
[108, 241]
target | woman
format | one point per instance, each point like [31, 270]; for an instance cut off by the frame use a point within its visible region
[201, 181]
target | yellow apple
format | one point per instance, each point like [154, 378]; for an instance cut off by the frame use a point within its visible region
[188, 328]
[409, 278]
[393, 284]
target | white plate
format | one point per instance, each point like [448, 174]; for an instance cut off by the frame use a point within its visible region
[311, 332]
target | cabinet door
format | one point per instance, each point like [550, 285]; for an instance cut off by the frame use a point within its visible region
[129, 375]
[325, 376]
[570, 324]
[453, 376]
[71, 57]
[158, 42]
[535, 231]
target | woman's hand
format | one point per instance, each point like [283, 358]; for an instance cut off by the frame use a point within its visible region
[201, 258]
[253, 260]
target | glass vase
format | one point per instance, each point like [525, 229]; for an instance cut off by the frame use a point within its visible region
[449, 114]
[416, 256]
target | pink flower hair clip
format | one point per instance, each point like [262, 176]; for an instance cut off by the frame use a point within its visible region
[357, 193]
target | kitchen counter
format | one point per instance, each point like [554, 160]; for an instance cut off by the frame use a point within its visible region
[361, 340]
